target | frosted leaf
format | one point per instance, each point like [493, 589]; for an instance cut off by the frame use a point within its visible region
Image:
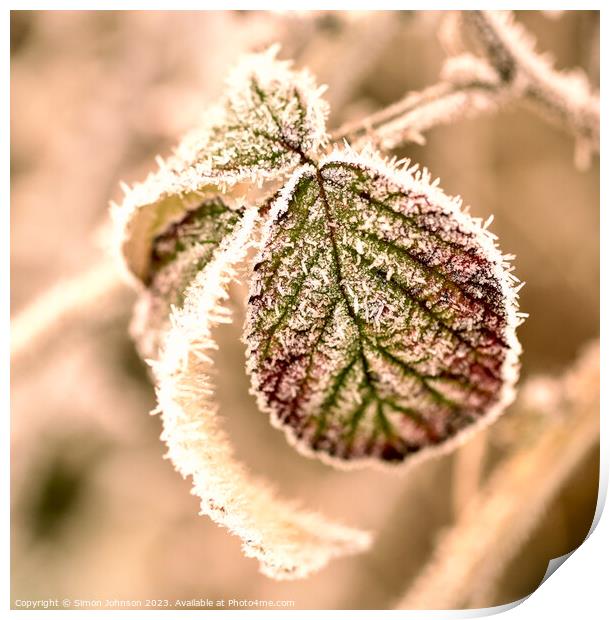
[382, 317]
[289, 542]
[178, 255]
[149, 208]
[270, 118]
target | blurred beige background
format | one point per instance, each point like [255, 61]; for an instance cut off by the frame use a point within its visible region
[96, 511]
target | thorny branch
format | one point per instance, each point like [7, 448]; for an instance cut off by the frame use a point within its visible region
[511, 70]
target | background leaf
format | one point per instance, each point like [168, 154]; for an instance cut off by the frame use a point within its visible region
[382, 317]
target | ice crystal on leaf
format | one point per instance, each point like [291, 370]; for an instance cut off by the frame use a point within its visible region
[382, 317]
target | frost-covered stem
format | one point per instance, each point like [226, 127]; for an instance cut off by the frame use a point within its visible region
[63, 303]
[472, 554]
[565, 98]
[518, 72]
[407, 119]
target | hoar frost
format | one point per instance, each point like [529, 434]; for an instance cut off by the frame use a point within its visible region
[381, 320]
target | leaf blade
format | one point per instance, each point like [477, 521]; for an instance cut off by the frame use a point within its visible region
[382, 318]
[178, 254]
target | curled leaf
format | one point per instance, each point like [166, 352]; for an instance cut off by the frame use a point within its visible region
[151, 207]
[288, 542]
[382, 317]
[178, 255]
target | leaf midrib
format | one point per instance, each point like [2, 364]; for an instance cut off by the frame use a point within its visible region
[362, 337]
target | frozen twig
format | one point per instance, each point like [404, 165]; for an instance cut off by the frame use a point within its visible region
[62, 303]
[511, 70]
[564, 97]
[408, 119]
[472, 554]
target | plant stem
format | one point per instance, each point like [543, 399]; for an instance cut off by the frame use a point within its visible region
[521, 74]
[61, 304]
[467, 473]
[407, 120]
[565, 98]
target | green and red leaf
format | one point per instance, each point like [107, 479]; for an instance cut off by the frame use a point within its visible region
[382, 317]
